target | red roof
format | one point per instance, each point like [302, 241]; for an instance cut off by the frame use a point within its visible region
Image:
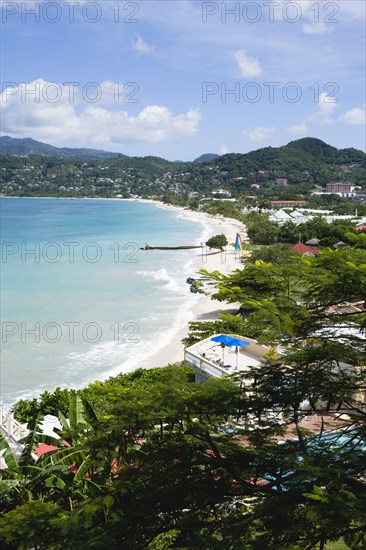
[43, 449]
[302, 248]
[360, 227]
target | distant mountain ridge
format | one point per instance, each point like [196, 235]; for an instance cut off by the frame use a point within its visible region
[206, 157]
[302, 154]
[29, 146]
[289, 170]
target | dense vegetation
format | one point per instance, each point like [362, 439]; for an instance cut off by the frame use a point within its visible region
[262, 231]
[305, 163]
[154, 460]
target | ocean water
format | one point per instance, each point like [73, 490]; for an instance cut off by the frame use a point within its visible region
[79, 299]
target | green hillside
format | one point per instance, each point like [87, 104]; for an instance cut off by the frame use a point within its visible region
[305, 163]
[28, 146]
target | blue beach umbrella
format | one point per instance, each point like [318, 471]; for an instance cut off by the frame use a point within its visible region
[229, 341]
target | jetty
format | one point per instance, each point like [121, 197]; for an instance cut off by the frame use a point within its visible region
[188, 247]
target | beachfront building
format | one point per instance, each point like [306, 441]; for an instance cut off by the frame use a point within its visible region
[209, 358]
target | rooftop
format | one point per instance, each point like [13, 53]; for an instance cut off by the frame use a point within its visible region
[210, 359]
[302, 248]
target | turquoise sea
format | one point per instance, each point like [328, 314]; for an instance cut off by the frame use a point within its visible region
[79, 299]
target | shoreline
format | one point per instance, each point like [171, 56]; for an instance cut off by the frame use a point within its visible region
[164, 348]
[204, 308]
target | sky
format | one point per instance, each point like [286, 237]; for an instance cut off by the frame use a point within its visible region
[179, 78]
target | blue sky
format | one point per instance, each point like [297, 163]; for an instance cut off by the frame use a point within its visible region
[177, 78]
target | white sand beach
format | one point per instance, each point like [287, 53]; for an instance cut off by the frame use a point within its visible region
[205, 308]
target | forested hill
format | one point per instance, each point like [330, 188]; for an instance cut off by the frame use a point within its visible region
[28, 146]
[206, 157]
[305, 163]
[306, 154]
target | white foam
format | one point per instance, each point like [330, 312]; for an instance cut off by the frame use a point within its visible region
[169, 283]
[157, 341]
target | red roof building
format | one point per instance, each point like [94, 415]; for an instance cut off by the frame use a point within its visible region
[301, 248]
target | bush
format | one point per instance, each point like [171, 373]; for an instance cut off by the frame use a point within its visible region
[218, 241]
[47, 403]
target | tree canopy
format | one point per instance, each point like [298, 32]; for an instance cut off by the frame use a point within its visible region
[217, 241]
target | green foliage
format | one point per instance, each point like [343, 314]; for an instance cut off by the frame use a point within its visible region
[169, 198]
[165, 541]
[357, 240]
[47, 403]
[262, 231]
[222, 208]
[161, 476]
[286, 299]
[227, 324]
[275, 254]
[217, 241]
[29, 525]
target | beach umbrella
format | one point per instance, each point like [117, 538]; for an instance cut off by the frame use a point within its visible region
[225, 340]
[229, 340]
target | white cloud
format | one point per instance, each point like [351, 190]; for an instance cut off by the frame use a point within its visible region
[88, 124]
[326, 107]
[316, 28]
[354, 116]
[248, 66]
[141, 47]
[259, 134]
[298, 129]
[224, 149]
[323, 116]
